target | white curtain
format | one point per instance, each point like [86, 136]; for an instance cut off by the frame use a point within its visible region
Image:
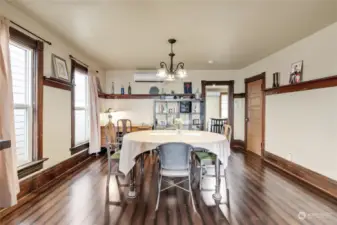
[9, 183]
[95, 132]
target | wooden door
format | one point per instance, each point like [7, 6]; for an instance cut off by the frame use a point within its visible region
[254, 119]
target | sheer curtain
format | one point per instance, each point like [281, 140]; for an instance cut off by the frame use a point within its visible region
[95, 133]
[9, 183]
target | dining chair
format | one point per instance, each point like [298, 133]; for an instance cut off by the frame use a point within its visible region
[124, 126]
[174, 161]
[207, 160]
[216, 125]
[112, 146]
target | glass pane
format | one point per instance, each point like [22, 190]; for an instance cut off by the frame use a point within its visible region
[21, 61]
[80, 126]
[21, 135]
[80, 89]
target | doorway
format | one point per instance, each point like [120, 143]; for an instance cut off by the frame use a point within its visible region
[218, 96]
[254, 114]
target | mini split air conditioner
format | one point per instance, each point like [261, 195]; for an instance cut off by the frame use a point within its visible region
[147, 76]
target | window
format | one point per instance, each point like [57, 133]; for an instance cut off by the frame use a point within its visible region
[81, 108]
[26, 62]
[224, 105]
[23, 88]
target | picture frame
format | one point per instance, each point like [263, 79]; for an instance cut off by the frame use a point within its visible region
[187, 87]
[196, 122]
[296, 73]
[60, 68]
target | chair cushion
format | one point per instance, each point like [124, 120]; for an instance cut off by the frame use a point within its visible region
[174, 173]
[116, 155]
[205, 157]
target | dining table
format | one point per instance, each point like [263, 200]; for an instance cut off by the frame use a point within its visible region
[137, 143]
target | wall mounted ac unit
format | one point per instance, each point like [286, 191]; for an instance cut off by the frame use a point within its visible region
[144, 76]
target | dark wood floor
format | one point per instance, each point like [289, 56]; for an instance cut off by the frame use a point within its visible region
[258, 196]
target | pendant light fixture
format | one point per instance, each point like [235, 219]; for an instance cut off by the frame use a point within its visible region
[171, 73]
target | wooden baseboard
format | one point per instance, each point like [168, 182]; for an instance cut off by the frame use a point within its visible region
[31, 187]
[238, 145]
[313, 180]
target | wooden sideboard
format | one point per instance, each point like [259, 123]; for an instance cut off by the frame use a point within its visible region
[133, 129]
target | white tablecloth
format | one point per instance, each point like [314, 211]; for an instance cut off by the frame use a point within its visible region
[138, 142]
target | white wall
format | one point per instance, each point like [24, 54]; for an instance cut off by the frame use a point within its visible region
[302, 127]
[318, 52]
[56, 109]
[303, 124]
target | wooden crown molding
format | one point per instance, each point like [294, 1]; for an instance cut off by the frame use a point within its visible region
[56, 83]
[304, 86]
[316, 181]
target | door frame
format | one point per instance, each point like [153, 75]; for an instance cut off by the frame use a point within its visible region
[262, 77]
[230, 84]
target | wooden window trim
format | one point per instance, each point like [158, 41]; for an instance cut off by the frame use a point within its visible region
[30, 168]
[38, 47]
[79, 148]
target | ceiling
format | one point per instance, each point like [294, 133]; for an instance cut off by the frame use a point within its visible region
[132, 34]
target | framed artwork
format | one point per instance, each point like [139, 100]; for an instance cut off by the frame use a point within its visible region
[296, 72]
[99, 87]
[187, 87]
[60, 68]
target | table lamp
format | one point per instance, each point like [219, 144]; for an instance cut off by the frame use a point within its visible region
[106, 117]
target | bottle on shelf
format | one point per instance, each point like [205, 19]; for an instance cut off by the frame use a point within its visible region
[113, 88]
[129, 89]
[122, 90]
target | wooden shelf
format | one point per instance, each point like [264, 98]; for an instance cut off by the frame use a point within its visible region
[140, 96]
[304, 86]
[56, 83]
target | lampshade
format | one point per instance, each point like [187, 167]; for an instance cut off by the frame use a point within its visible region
[104, 116]
[182, 73]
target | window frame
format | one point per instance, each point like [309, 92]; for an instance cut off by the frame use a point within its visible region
[37, 47]
[76, 67]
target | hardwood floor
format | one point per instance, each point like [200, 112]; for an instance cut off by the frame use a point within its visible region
[258, 196]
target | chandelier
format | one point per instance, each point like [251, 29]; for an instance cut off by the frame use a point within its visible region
[171, 73]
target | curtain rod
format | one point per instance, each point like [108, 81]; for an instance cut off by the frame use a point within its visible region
[42, 39]
[77, 60]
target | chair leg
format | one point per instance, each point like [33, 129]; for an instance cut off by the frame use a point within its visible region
[159, 190]
[190, 189]
[227, 189]
[200, 177]
[109, 171]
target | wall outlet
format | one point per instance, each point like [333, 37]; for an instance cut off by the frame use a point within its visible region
[289, 157]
